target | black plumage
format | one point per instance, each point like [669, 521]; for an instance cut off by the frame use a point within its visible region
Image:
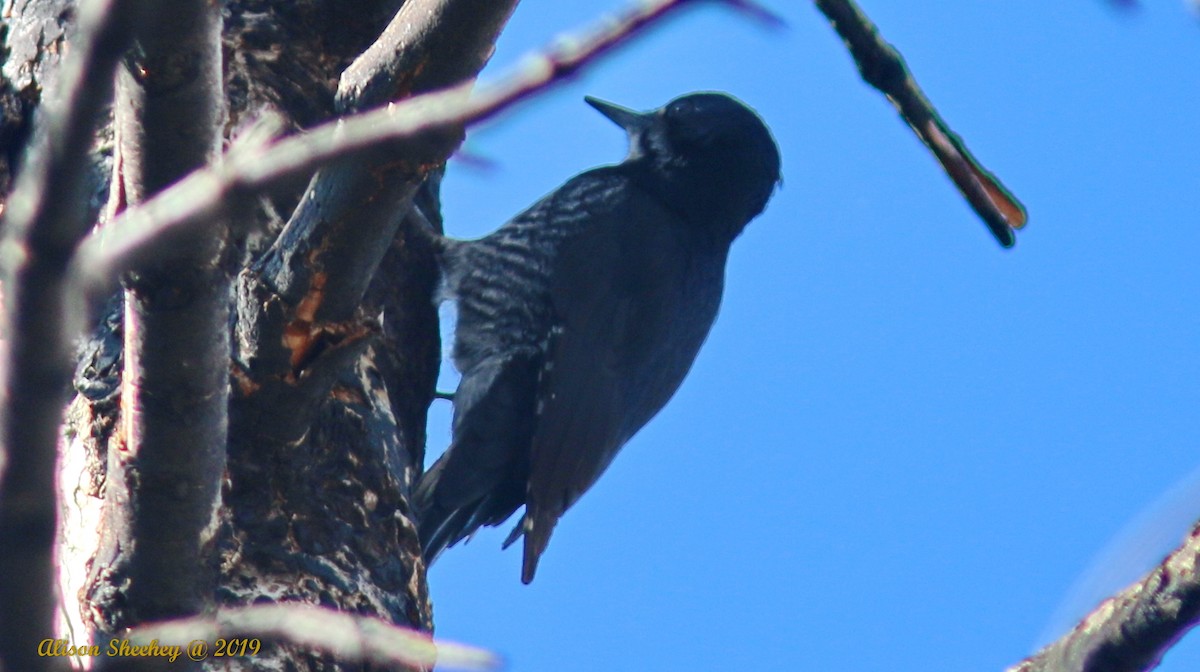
[579, 319]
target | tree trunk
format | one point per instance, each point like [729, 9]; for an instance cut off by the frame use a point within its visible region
[329, 392]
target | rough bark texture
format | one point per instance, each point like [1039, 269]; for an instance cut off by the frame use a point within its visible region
[314, 512]
[163, 484]
[45, 219]
[34, 34]
[1134, 629]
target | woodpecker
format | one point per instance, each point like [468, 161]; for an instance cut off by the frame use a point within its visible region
[579, 318]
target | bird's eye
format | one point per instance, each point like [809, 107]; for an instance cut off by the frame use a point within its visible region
[680, 108]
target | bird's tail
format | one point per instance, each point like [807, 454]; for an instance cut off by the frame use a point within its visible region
[438, 527]
[537, 532]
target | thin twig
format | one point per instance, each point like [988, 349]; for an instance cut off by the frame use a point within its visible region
[882, 66]
[198, 197]
[347, 637]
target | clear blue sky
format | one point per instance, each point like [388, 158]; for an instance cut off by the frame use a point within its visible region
[902, 445]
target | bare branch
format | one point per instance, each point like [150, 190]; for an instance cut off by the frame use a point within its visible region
[312, 434]
[398, 64]
[46, 217]
[163, 487]
[199, 196]
[1132, 630]
[323, 261]
[882, 67]
[347, 637]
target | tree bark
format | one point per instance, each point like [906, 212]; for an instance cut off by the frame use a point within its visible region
[335, 354]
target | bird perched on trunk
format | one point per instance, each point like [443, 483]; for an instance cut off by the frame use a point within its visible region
[578, 319]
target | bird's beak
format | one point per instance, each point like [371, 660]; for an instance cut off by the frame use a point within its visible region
[624, 117]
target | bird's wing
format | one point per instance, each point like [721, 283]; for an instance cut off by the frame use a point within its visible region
[480, 479]
[501, 286]
[613, 287]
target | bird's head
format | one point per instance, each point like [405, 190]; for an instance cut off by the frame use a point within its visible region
[707, 154]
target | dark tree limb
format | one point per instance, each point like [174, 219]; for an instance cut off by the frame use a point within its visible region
[883, 67]
[299, 302]
[32, 48]
[409, 345]
[1131, 631]
[347, 637]
[328, 252]
[163, 489]
[45, 219]
[322, 447]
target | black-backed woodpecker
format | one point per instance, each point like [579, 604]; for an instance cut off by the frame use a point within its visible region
[579, 319]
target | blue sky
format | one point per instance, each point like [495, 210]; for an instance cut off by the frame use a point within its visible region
[902, 446]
